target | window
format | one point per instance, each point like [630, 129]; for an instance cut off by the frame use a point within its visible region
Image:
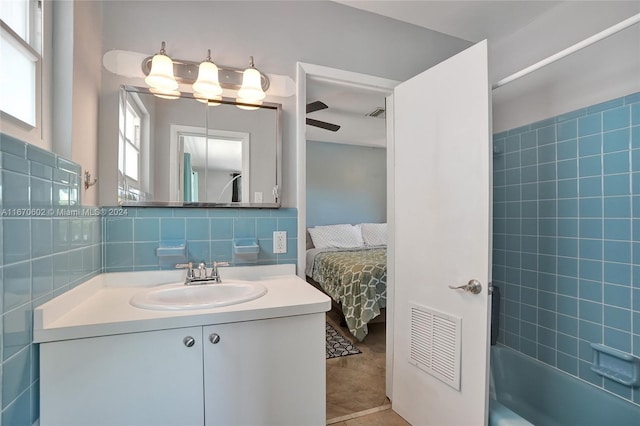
[20, 59]
[134, 149]
[129, 150]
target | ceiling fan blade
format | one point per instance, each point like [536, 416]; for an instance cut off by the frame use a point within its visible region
[316, 106]
[323, 124]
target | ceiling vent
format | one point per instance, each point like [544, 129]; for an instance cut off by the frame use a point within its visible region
[379, 112]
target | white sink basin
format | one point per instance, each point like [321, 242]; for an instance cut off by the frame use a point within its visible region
[203, 296]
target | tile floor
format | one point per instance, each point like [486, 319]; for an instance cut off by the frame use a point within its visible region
[356, 383]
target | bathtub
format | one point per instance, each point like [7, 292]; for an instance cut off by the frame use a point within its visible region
[525, 391]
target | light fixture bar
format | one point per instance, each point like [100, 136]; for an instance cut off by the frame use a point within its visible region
[187, 72]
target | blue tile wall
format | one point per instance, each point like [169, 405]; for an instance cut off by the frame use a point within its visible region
[566, 238]
[45, 250]
[132, 236]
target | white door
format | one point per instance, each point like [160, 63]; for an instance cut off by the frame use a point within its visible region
[440, 211]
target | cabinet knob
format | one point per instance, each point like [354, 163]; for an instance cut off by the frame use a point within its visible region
[189, 341]
[214, 338]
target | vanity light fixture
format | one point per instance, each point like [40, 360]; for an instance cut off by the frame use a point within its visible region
[207, 79]
[251, 90]
[207, 85]
[161, 76]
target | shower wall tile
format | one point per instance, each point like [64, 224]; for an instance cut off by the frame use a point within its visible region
[608, 105]
[616, 118]
[45, 251]
[589, 125]
[617, 140]
[567, 237]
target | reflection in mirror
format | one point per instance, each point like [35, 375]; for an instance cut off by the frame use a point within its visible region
[221, 160]
[184, 152]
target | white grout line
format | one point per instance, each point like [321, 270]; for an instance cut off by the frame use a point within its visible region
[358, 414]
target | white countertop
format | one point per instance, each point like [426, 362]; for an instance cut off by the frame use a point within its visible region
[101, 307]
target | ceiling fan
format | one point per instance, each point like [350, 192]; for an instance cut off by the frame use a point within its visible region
[317, 106]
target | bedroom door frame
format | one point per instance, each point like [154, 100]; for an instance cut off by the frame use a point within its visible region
[304, 72]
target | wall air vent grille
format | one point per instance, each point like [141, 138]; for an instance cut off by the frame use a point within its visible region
[435, 344]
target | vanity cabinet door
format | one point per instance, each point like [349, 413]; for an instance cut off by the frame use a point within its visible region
[266, 372]
[150, 378]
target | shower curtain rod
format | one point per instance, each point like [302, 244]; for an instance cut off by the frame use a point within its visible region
[571, 49]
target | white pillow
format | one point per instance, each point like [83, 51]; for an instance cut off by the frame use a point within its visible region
[374, 234]
[336, 236]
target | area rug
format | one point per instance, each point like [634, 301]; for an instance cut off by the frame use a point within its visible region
[338, 345]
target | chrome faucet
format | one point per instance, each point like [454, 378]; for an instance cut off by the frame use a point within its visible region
[215, 274]
[202, 270]
[200, 274]
[189, 268]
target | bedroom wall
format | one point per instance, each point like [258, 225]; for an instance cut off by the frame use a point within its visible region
[345, 184]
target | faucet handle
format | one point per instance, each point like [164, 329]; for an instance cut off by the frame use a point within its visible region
[188, 267]
[214, 271]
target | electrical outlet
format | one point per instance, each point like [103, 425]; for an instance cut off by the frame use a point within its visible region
[257, 197]
[279, 242]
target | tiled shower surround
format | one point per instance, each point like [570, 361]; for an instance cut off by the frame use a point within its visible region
[50, 245]
[566, 237]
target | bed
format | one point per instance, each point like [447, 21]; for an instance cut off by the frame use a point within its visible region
[354, 277]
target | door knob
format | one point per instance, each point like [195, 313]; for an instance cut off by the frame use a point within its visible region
[472, 286]
[189, 341]
[214, 338]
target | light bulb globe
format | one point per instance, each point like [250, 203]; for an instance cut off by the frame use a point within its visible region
[251, 89]
[207, 83]
[161, 75]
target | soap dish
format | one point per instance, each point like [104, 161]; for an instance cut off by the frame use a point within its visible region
[245, 250]
[616, 365]
[172, 248]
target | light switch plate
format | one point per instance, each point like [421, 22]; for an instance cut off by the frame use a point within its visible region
[279, 242]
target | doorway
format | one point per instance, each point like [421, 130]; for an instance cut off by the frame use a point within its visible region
[356, 384]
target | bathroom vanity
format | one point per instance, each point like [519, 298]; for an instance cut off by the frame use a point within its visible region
[259, 362]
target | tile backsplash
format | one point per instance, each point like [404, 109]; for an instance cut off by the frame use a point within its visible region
[51, 243]
[133, 234]
[46, 249]
[567, 237]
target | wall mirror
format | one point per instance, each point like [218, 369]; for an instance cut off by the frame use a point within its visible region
[183, 152]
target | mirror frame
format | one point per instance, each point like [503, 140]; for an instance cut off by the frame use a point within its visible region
[226, 101]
